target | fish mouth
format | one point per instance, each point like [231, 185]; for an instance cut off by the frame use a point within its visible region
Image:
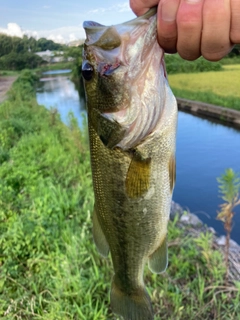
[95, 31]
[130, 51]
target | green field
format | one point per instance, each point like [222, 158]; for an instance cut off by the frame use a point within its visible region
[49, 266]
[220, 87]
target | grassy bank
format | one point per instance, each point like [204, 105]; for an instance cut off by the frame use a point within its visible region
[46, 67]
[219, 88]
[49, 267]
[57, 66]
[7, 73]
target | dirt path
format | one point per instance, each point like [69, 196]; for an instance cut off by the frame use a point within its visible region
[5, 85]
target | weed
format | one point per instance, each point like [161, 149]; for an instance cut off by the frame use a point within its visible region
[229, 186]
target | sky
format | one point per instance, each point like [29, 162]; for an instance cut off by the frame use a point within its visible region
[59, 20]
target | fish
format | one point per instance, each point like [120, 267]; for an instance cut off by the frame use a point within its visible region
[132, 121]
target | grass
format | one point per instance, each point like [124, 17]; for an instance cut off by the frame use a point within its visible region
[49, 267]
[231, 67]
[175, 64]
[232, 60]
[56, 66]
[208, 97]
[220, 88]
[7, 73]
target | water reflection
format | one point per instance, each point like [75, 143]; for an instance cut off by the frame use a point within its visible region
[56, 90]
[57, 72]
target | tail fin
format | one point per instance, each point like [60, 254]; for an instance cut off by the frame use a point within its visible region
[136, 306]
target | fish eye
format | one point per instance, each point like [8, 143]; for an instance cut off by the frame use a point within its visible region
[87, 71]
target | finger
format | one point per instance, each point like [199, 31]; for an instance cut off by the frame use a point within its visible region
[167, 27]
[189, 25]
[216, 29]
[139, 7]
[235, 21]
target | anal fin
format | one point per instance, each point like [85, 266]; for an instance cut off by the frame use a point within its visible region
[158, 261]
[99, 237]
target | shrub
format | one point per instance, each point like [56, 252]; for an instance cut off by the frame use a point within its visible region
[175, 64]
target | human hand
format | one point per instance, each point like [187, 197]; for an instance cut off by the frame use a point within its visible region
[195, 27]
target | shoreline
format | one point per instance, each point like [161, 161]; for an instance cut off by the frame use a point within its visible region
[193, 226]
[221, 114]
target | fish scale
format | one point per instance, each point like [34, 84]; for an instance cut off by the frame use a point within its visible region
[133, 171]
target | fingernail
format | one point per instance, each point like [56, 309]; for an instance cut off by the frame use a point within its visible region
[169, 10]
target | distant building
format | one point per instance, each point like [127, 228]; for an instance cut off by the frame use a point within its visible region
[46, 55]
[51, 56]
[57, 59]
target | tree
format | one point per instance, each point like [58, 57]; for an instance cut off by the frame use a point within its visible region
[43, 44]
[18, 53]
[19, 61]
[5, 44]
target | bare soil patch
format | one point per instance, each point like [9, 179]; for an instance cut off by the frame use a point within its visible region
[5, 85]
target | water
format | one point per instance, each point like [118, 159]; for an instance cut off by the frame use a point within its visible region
[204, 150]
[57, 72]
[56, 90]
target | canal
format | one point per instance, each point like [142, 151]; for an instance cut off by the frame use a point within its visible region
[204, 150]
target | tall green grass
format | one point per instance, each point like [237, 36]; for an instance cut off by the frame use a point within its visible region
[49, 267]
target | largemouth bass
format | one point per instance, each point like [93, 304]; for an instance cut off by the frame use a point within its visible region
[132, 118]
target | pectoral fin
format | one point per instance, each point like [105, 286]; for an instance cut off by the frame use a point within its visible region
[158, 261]
[99, 237]
[110, 132]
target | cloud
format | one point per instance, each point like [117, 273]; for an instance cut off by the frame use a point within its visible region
[56, 38]
[59, 35]
[13, 29]
[72, 37]
[120, 7]
[123, 7]
[71, 33]
[64, 34]
[97, 11]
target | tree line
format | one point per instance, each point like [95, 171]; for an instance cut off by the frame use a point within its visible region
[19, 53]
